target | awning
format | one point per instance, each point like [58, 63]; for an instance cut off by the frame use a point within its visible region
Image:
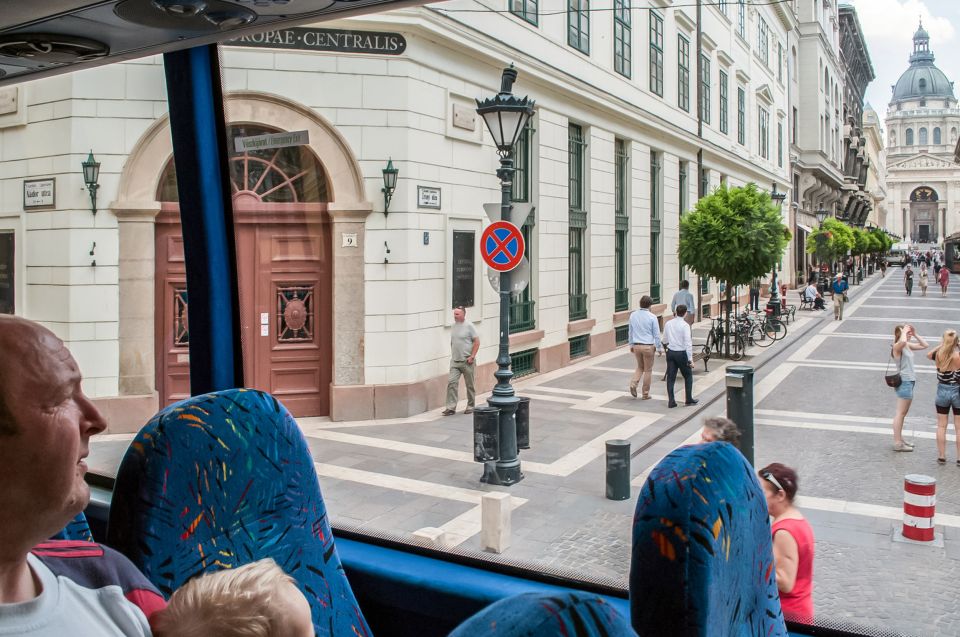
[806, 229]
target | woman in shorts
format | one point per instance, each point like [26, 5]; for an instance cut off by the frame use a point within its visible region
[947, 357]
[905, 341]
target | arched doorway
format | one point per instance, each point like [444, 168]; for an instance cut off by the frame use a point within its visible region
[923, 214]
[284, 265]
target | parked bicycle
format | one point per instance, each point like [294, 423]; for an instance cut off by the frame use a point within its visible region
[717, 342]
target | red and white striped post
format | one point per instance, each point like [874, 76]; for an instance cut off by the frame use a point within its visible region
[919, 507]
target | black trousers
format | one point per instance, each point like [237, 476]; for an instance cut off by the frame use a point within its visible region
[677, 361]
[755, 298]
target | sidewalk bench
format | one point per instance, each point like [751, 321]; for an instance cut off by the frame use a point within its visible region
[700, 353]
[804, 303]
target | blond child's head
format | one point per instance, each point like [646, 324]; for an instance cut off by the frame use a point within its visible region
[256, 600]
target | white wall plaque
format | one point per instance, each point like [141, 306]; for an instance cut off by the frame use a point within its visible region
[9, 100]
[39, 193]
[348, 239]
[428, 197]
[464, 117]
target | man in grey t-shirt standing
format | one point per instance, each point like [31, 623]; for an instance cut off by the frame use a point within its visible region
[464, 343]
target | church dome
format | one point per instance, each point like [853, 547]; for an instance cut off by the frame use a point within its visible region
[923, 79]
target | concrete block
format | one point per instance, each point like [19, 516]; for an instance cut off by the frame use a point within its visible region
[431, 533]
[495, 510]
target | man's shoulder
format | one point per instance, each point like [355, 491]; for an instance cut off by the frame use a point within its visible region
[95, 566]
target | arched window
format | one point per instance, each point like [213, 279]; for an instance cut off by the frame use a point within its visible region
[923, 136]
[909, 137]
[936, 135]
[922, 84]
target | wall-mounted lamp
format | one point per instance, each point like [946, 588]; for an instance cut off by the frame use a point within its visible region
[777, 197]
[91, 174]
[821, 214]
[389, 184]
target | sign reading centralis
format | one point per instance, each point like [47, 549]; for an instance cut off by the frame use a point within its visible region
[334, 40]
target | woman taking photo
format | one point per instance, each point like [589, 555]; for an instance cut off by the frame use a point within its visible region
[793, 543]
[947, 357]
[905, 341]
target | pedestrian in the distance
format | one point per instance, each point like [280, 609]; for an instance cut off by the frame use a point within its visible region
[684, 297]
[947, 357]
[755, 294]
[924, 279]
[793, 542]
[905, 341]
[944, 280]
[644, 341]
[464, 344]
[840, 287]
[679, 344]
[908, 279]
[883, 267]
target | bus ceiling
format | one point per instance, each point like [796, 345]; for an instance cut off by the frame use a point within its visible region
[49, 37]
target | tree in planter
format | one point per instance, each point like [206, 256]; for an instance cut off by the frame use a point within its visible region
[733, 235]
[861, 245]
[831, 241]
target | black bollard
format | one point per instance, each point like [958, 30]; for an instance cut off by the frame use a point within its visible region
[523, 423]
[486, 434]
[618, 469]
[740, 405]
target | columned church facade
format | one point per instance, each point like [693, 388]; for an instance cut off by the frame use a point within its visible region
[923, 182]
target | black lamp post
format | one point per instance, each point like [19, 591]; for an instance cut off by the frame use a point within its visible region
[91, 174]
[774, 303]
[505, 116]
[389, 184]
[821, 214]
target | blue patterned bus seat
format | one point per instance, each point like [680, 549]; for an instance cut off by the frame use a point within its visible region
[702, 561]
[224, 479]
[547, 615]
[77, 529]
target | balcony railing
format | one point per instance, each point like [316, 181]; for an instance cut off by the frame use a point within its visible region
[522, 318]
[578, 307]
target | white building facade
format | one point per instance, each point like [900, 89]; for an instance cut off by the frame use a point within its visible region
[635, 118]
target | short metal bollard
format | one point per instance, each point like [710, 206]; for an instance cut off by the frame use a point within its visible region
[486, 434]
[739, 383]
[618, 469]
[523, 423]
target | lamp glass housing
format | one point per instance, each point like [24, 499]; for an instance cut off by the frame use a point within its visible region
[91, 171]
[390, 176]
[821, 215]
[505, 125]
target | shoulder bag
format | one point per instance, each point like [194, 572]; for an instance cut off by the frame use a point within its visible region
[893, 380]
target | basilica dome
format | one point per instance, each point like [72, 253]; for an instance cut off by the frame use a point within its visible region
[923, 79]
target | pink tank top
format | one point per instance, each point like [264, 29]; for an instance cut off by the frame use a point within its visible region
[798, 603]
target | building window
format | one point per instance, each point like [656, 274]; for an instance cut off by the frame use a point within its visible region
[526, 9]
[683, 186]
[621, 226]
[909, 137]
[724, 127]
[656, 53]
[622, 38]
[764, 130]
[656, 201]
[741, 116]
[796, 189]
[780, 62]
[683, 72]
[793, 127]
[936, 135]
[780, 144]
[723, 6]
[578, 25]
[763, 41]
[522, 317]
[705, 88]
[923, 136]
[577, 216]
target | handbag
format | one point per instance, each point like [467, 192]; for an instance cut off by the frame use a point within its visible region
[845, 297]
[893, 380]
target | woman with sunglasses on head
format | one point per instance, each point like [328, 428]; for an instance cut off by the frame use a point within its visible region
[793, 543]
[947, 357]
[905, 341]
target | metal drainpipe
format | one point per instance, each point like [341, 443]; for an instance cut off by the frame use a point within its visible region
[700, 188]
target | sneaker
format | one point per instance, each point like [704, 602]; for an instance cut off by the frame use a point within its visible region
[633, 392]
[468, 410]
[902, 447]
[447, 412]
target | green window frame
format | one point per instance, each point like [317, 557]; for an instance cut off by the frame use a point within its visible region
[656, 53]
[763, 41]
[780, 144]
[522, 306]
[683, 72]
[577, 216]
[622, 38]
[763, 141]
[742, 18]
[724, 106]
[526, 10]
[656, 201]
[578, 25]
[741, 116]
[705, 88]
[621, 226]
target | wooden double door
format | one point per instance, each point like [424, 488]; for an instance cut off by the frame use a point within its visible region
[284, 268]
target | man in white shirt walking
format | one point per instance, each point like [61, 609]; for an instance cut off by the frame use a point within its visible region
[644, 340]
[679, 343]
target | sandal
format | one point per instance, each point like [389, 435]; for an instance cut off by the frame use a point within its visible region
[943, 461]
[902, 447]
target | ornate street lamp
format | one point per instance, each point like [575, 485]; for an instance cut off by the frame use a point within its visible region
[505, 116]
[821, 214]
[774, 303]
[91, 175]
[389, 184]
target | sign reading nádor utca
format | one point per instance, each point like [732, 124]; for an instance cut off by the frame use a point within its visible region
[335, 40]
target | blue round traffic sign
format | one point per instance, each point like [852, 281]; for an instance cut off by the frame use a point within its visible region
[502, 246]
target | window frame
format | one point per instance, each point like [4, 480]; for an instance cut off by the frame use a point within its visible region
[656, 221]
[522, 316]
[524, 13]
[581, 10]
[683, 72]
[724, 102]
[577, 222]
[705, 99]
[656, 54]
[621, 225]
[763, 41]
[763, 132]
[622, 38]
[742, 18]
[741, 116]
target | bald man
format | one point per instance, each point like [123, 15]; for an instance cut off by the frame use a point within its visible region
[54, 588]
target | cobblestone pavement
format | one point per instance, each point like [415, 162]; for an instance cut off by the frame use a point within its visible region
[821, 406]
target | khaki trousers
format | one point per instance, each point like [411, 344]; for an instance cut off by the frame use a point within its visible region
[644, 356]
[453, 383]
[838, 306]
